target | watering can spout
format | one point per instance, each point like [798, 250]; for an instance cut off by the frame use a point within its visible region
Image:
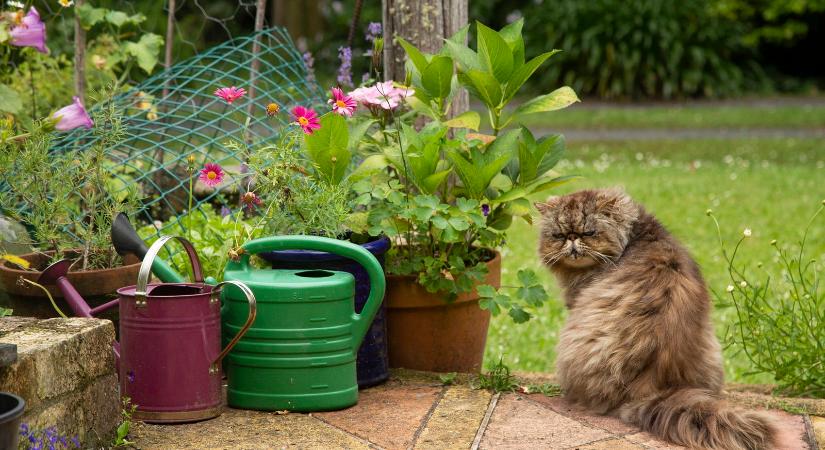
[126, 241]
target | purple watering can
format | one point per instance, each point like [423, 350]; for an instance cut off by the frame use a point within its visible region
[169, 353]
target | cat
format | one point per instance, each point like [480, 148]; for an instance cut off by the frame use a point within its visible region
[638, 343]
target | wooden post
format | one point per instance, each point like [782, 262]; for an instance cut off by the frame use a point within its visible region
[260, 12]
[424, 23]
[170, 38]
[79, 56]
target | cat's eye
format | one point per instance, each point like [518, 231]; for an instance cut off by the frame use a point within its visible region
[559, 236]
[589, 233]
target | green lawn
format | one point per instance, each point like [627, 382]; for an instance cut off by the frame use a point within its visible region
[579, 116]
[771, 186]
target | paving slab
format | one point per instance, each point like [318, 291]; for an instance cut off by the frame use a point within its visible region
[612, 444]
[520, 423]
[562, 406]
[455, 420]
[818, 424]
[388, 415]
[252, 430]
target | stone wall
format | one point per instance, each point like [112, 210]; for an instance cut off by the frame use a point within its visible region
[65, 371]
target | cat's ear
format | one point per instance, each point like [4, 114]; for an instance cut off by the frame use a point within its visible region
[616, 201]
[547, 206]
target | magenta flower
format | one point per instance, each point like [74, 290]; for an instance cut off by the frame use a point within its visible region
[211, 174]
[230, 94]
[31, 32]
[72, 116]
[341, 103]
[306, 118]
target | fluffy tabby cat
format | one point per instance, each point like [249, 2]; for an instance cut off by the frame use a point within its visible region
[638, 343]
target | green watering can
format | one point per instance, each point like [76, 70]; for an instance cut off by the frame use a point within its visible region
[299, 354]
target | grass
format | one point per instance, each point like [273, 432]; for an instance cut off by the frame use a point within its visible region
[580, 116]
[771, 186]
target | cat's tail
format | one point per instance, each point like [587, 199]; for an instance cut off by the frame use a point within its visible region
[696, 418]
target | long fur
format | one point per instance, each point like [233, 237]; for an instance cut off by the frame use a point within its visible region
[638, 342]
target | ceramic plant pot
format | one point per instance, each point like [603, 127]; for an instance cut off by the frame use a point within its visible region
[90, 283]
[11, 410]
[427, 333]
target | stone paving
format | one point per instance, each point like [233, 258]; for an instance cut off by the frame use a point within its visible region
[416, 411]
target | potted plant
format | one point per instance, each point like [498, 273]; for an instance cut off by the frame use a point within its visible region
[63, 201]
[450, 194]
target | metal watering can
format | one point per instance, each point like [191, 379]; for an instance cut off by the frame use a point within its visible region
[300, 353]
[169, 353]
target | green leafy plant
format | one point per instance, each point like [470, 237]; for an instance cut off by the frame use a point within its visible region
[498, 378]
[449, 194]
[448, 379]
[780, 314]
[127, 410]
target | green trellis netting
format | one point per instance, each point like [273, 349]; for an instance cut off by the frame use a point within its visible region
[174, 115]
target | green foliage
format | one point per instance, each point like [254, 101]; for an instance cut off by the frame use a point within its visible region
[780, 316]
[776, 21]
[5, 312]
[65, 197]
[122, 432]
[447, 379]
[498, 378]
[451, 195]
[657, 48]
[214, 236]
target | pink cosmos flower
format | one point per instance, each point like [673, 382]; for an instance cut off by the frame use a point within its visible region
[306, 118]
[382, 95]
[211, 174]
[72, 116]
[341, 103]
[31, 32]
[230, 94]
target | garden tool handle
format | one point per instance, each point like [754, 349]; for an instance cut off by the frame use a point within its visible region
[360, 322]
[148, 260]
[253, 312]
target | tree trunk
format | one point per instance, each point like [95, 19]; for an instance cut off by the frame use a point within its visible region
[425, 24]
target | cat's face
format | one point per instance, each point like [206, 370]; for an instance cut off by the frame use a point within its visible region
[586, 228]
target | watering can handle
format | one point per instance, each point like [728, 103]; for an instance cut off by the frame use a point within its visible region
[253, 311]
[148, 259]
[360, 322]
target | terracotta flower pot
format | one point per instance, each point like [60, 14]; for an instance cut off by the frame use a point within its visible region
[427, 333]
[90, 283]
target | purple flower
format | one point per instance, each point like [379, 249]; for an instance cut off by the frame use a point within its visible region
[131, 376]
[345, 70]
[485, 209]
[309, 62]
[225, 211]
[374, 30]
[31, 32]
[72, 116]
[24, 429]
[76, 441]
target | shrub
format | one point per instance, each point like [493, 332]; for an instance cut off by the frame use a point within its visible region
[653, 48]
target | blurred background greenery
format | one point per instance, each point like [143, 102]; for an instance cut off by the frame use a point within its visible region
[616, 49]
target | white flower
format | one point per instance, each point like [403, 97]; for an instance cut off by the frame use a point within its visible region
[747, 232]
[743, 284]
[730, 288]
[14, 4]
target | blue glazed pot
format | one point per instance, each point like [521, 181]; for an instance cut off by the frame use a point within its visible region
[372, 362]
